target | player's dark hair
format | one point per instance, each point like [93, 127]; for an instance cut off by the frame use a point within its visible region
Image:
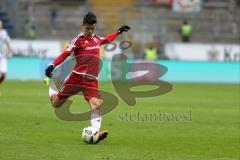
[89, 18]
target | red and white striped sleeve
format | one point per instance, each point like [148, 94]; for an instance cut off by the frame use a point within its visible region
[67, 52]
[108, 38]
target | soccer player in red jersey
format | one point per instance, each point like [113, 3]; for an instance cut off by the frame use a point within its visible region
[84, 77]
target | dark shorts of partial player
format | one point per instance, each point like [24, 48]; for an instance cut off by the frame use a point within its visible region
[79, 84]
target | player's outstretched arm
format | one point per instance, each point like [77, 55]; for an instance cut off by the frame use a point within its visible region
[111, 37]
[61, 58]
[57, 61]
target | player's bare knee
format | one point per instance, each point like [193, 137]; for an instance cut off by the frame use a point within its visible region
[53, 98]
[56, 102]
[95, 103]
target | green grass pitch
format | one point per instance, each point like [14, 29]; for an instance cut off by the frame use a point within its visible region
[205, 125]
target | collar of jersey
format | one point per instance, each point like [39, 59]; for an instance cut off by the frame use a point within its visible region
[86, 36]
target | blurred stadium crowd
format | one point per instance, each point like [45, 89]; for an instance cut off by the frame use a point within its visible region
[154, 22]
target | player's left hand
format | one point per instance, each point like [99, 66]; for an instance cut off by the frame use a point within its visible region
[124, 28]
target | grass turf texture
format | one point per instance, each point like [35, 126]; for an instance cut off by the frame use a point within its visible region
[30, 130]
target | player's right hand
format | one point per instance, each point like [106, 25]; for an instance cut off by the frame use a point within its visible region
[49, 70]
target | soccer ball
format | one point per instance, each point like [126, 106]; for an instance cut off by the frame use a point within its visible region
[90, 135]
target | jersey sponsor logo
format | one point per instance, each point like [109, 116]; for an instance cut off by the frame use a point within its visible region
[92, 47]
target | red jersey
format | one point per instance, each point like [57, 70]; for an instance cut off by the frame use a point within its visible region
[87, 53]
